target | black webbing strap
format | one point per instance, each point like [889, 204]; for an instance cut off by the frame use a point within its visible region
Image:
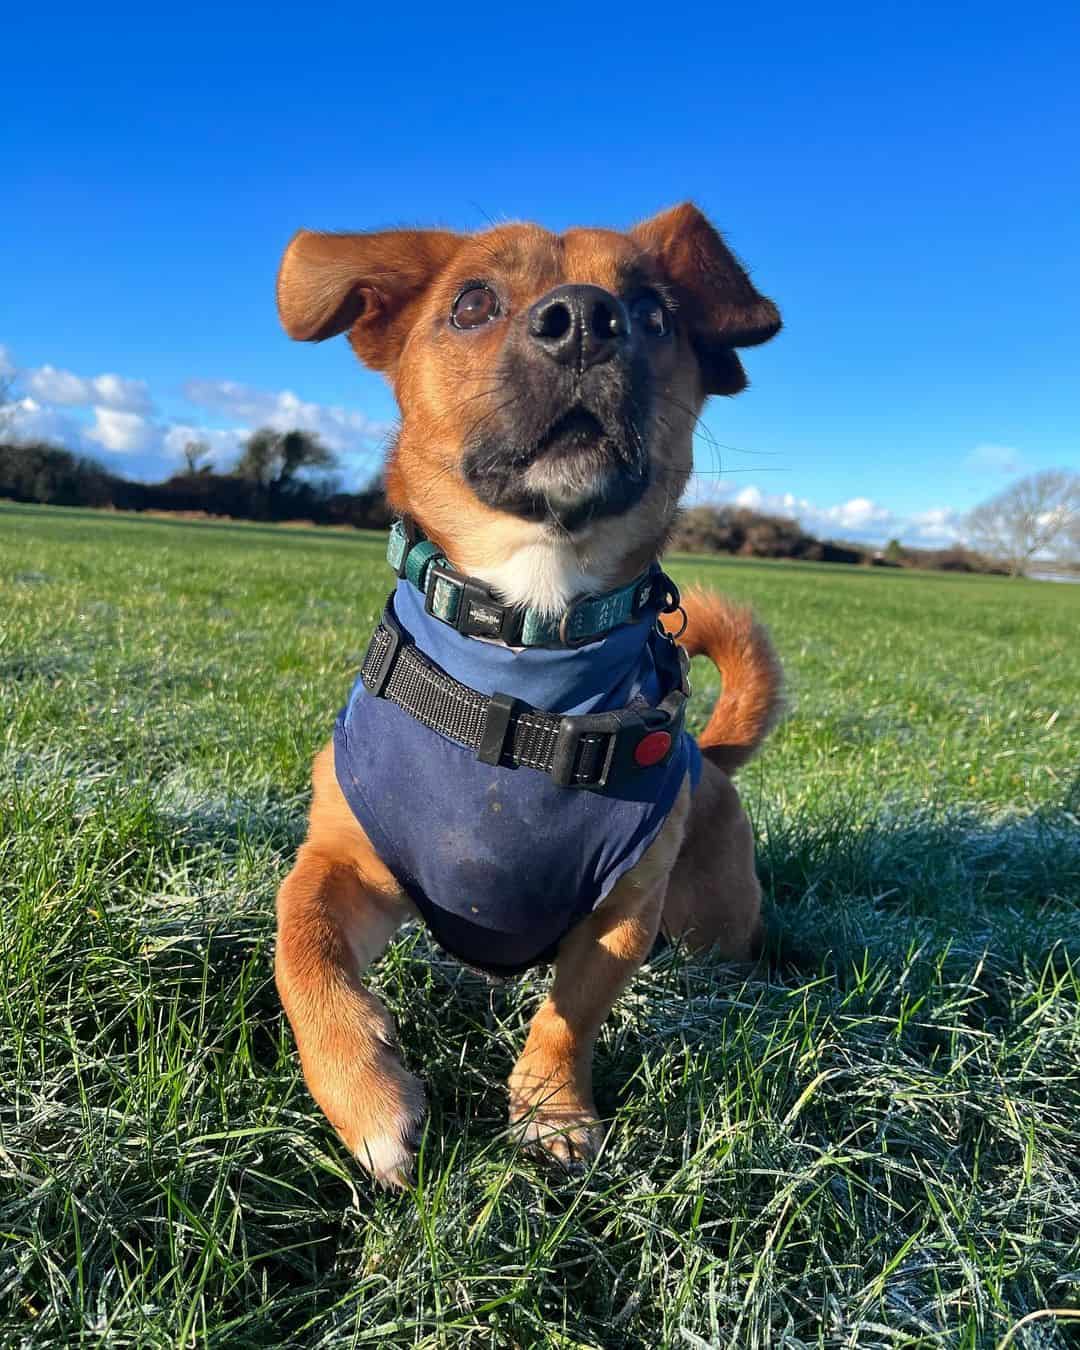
[591, 751]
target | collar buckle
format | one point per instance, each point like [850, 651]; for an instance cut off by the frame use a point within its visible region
[465, 604]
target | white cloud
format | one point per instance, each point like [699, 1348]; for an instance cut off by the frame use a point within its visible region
[115, 414]
[51, 385]
[344, 431]
[116, 392]
[751, 497]
[27, 420]
[858, 518]
[860, 513]
[990, 458]
[123, 432]
[241, 401]
[939, 525]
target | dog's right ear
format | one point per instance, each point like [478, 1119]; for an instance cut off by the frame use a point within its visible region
[367, 283]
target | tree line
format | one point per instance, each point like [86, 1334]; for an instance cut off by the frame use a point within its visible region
[755, 534]
[1034, 521]
[279, 475]
[288, 475]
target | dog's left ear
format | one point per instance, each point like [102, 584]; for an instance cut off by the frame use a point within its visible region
[367, 283]
[716, 297]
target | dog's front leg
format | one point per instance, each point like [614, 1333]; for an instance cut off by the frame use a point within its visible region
[551, 1084]
[331, 926]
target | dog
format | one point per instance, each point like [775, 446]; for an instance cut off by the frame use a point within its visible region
[548, 386]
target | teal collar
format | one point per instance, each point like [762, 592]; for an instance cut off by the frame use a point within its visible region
[470, 607]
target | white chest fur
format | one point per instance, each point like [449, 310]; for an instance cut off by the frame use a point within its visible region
[544, 575]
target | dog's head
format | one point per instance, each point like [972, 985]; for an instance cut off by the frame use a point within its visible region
[548, 384]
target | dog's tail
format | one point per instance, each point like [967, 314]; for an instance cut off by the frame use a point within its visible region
[750, 701]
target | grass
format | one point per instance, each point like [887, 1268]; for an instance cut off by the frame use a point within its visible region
[873, 1142]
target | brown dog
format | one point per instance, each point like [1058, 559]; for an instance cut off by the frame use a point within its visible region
[549, 386]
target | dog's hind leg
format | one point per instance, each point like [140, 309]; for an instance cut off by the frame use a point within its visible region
[551, 1096]
[713, 899]
[337, 909]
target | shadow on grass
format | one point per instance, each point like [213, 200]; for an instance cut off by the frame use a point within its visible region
[833, 889]
[836, 897]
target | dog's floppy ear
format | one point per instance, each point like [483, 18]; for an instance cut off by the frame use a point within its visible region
[716, 298]
[367, 283]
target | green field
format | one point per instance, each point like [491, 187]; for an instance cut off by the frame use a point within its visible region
[874, 1141]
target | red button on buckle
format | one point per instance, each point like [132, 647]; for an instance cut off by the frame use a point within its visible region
[652, 748]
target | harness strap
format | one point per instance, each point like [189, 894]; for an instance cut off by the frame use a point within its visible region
[469, 606]
[594, 750]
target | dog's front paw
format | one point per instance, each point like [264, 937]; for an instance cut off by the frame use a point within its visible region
[551, 1111]
[382, 1128]
[572, 1136]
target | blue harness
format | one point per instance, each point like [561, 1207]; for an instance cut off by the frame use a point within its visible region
[501, 861]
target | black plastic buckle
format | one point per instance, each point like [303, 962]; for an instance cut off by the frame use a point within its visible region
[375, 680]
[476, 613]
[497, 715]
[572, 731]
[625, 728]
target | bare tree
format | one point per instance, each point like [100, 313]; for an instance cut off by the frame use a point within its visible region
[273, 458]
[1027, 519]
[196, 457]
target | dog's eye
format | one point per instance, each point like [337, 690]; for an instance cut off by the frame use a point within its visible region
[475, 305]
[648, 312]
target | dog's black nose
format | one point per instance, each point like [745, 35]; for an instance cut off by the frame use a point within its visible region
[579, 325]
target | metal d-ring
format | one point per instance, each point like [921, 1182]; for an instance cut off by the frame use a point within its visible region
[675, 609]
[673, 605]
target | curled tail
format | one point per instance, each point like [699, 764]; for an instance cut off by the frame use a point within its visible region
[750, 701]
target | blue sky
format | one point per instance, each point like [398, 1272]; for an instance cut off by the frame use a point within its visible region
[904, 180]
